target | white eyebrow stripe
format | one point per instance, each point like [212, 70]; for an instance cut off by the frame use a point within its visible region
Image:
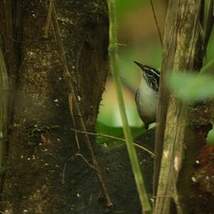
[151, 70]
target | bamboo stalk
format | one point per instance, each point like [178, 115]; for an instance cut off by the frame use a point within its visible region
[113, 51]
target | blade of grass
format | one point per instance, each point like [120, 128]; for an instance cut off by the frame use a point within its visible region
[113, 51]
[156, 23]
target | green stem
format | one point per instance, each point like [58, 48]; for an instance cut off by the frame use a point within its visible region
[113, 51]
[208, 68]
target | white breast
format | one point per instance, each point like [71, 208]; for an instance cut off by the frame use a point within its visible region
[148, 100]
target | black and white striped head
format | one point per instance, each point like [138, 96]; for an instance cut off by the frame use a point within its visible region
[151, 75]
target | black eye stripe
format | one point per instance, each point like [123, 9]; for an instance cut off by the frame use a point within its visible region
[152, 79]
[151, 75]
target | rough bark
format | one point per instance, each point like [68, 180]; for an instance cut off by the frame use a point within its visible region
[8, 68]
[41, 143]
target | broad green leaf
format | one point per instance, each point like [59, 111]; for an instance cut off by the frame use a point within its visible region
[191, 87]
[210, 137]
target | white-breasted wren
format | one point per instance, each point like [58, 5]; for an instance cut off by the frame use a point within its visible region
[146, 97]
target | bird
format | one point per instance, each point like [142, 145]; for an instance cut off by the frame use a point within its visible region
[146, 96]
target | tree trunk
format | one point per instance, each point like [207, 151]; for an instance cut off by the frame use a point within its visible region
[41, 143]
[183, 52]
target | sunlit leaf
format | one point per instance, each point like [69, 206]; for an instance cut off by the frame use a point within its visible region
[210, 137]
[191, 87]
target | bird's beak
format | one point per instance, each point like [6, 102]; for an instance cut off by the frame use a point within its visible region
[140, 65]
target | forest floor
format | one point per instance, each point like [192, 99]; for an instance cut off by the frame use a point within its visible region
[86, 196]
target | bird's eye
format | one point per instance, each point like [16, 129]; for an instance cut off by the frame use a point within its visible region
[155, 85]
[153, 82]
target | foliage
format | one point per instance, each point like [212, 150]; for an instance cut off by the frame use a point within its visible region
[210, 137]
[191, 87]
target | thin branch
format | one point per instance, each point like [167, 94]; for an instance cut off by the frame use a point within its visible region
[113, 138]
[70, 101]
[86, 161]
[48, 21]
[145, 149]
[113, 50]
[72, 158]
[156, 23]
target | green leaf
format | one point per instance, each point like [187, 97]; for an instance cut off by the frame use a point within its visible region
[210, 137]
[191, 87]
